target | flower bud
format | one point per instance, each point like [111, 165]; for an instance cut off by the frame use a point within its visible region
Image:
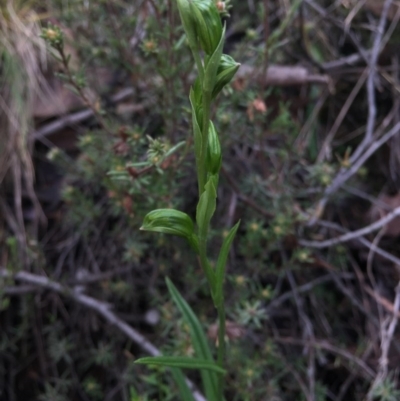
[54, 36]
[188, 22]
[214, 157]
[208, 24]
[226, 70]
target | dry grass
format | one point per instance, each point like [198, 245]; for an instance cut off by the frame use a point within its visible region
[23, 56]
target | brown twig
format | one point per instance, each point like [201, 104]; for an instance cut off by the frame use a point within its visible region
[347, 173]
[341, 116]
[389, 306]
[368, 145]
[308, 335]
[388, 328]
[102, 308]
[372, 66]
[323, 344]
[354, 234]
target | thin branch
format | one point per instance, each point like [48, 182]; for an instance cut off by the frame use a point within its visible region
[373, 61]
[387, 333]
[19, 290]
[282, 75]
[347, 61]
[362, 240]
[322, 344]
[384, 302]
[358, 157]
[345, 174]
[100, 307]
[363, 195]
[303, 138]
[341, 116]
[79, 116]
[362, 159]
[308, 335]
[303, 288]
[354, 234]
[276, 75]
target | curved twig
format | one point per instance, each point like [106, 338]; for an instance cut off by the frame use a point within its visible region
[354, 234]
[102, 308]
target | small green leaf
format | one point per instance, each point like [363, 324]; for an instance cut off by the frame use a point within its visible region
[197, 93]
[226, 70]
[221, 263]
[171, 221]
[206, 206]
[196, 128]
[181, 362]
[212, 65]
[184, 389]
[199, 340]
[214, 156]
[196, 100]
[174, 149]
[168, 221]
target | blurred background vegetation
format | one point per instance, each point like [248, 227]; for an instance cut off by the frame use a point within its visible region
[83, 157]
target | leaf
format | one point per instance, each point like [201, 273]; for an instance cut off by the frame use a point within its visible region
[184, 389]
[174, 149]
[214, 156]
[221, 263]
[210, 74]
[171, 221]
[199, 341]
[181, 362]
[196, 128]
[206, 206]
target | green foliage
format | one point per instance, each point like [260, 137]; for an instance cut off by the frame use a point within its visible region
[386, 390]
[170, 221]
[93, 388]
[204, 31]
[181, 362]
[142, 154]
[199, 341]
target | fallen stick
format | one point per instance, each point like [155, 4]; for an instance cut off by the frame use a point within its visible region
[102, 308]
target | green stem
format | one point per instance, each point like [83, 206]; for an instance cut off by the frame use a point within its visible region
[204, 142]
[221, 347]
[202, 178]
[205, 265]
[199, 64]
[200, 68]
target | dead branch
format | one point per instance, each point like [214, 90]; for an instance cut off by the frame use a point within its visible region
[345, 173]
[282, 75]
[322, 344]
[355, 234]
[100, 307]
[372, 66]
[360, 239]
[388, 328]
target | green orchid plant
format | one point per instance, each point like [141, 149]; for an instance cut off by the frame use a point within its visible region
[205, 34]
